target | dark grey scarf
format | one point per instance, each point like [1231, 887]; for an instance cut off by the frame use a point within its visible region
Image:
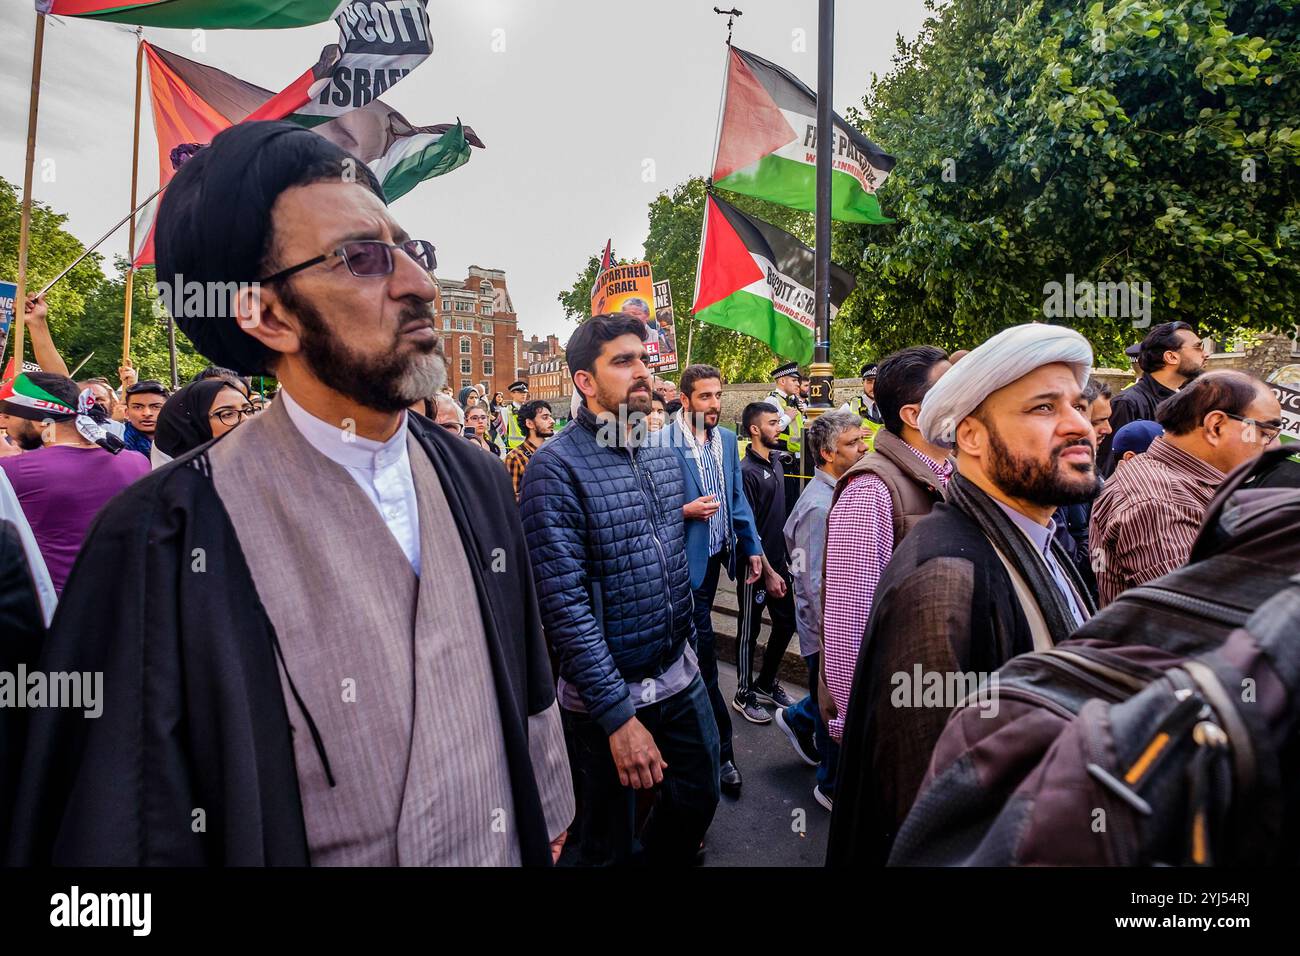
[964, 495]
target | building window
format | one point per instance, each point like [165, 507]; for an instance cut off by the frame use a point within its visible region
[486, 309]
[464, 345]
[487, 326]
[446, 324]
[487, 368]
[487, 346]
[466, 368]
[462, 306]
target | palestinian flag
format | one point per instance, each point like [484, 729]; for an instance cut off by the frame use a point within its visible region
[378, 45]
[23, 393]
[7, 379]
[209, 14]
[193, 102]
[400, 155]
[767, 146]
[756, 279]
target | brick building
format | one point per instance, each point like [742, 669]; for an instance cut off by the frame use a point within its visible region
[480, 331]
[549, 378]
[538, 350]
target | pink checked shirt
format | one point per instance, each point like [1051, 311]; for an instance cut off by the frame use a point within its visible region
[859, 543]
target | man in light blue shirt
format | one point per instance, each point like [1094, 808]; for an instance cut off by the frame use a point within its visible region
[835, 440]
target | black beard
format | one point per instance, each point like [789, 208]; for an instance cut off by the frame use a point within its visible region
[1041, 483]
[28, 439]
[640, 402]
[387, 383]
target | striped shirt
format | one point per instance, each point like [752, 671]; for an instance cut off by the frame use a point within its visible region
[859, 543]
[1148, 516]
[708, 458]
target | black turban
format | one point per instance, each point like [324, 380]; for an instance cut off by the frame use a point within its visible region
[214, 223]
[183, 423]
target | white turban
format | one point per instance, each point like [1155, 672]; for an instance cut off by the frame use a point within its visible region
[1010, 355]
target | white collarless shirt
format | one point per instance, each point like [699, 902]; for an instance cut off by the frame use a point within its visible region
[381, 469]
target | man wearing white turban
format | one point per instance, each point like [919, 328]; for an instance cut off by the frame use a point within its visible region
[978, 580]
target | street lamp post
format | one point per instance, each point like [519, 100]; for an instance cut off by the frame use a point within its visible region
[822, 372]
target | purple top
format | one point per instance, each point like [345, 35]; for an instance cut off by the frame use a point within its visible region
[61, 488]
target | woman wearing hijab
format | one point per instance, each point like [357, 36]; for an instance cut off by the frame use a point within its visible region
[196, 414]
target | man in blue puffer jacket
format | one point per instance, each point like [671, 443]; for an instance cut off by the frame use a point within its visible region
[602, 513]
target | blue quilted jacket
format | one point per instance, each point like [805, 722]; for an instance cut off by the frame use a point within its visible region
[607, 541]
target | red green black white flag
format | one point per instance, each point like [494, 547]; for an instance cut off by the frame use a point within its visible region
[767, 146]
[756, 279]
[208, 14]
[192, 102]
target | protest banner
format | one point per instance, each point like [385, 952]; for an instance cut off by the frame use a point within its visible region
[663, 349]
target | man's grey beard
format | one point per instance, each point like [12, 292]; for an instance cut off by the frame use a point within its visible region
[383, 383]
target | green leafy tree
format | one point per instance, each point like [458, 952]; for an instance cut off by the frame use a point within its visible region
[1138, 141]
[49, 252]
[98, 329]
[85, 314]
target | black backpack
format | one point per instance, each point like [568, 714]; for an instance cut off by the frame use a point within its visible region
[1163, 732]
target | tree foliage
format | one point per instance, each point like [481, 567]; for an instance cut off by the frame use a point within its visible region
[86, 307]
[1137, 141]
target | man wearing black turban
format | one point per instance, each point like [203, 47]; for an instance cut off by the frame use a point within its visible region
[310, 653]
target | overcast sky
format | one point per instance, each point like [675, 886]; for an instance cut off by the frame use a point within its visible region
[572, 97]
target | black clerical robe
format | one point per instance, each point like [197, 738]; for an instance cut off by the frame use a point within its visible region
[191, 762]
[945, 604]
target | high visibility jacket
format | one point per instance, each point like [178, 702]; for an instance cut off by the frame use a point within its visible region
[858, 405]
[792, 434]
[514, 434]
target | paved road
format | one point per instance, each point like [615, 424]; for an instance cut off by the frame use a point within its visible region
[776, 821]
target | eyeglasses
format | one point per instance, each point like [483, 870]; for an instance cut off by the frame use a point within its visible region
[369, 258]
[451, 426]
[233, 416]
[1269, 430]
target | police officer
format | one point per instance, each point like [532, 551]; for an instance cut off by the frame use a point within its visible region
[787, 400]
[864, 405]
[514, 434]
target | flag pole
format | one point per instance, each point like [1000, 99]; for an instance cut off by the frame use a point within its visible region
[100, 241]
[135, 168]
[25, 228]
[713, 159]
[822, 372]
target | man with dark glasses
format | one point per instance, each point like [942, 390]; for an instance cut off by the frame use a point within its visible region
[1147, 518]
[335, 674]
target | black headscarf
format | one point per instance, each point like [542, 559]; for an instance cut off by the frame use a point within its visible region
[214, 223]
[183, 423]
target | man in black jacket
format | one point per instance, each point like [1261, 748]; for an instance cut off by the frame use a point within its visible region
[315, 648]
[1170, 356]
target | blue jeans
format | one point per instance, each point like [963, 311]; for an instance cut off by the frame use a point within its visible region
[687, 736]
[806, 716]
